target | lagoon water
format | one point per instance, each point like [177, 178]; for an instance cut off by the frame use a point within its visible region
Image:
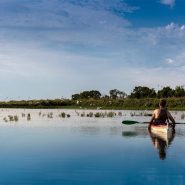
[81, 151]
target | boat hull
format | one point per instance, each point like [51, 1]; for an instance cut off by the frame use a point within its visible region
[162, 131]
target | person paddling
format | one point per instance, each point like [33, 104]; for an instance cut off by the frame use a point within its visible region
[161, 115]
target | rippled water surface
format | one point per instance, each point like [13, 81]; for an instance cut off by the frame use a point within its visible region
[81, 151]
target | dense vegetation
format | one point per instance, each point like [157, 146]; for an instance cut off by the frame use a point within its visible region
[138, 93]
[140, 98]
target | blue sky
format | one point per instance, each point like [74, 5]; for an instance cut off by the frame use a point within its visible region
[55, 48]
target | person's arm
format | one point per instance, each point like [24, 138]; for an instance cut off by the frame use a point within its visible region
[171, 119]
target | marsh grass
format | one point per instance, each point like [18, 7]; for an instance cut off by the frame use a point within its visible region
[16, 118]
[111, 114]
[144, 113]
[98, 115]
[183, 115]
[82, 114]
[28, 117]
[50, 115]
[90, 114]
[62, 115]
[132, 114]
[11, 118]
[103, 115]
[23, 115]
[102, 103]
[78, 114]
[5, 119]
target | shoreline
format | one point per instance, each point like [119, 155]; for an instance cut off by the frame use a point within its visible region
[176, 104]
[88, 108]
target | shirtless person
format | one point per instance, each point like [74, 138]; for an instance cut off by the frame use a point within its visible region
[161, 116]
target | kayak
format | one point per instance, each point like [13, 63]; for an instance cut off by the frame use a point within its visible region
[162, 131]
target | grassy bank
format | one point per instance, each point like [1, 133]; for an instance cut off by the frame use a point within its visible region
[132, 104]
[122, 104]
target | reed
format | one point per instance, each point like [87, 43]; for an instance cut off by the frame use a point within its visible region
[111, 114]
[11, 118]
[183, 115]
[82, 114]
[50, 115]
[62, 115]
[90, 114]
[16, 118]
[132, 114]
[5, 119]
[78, 114]
[23, 115]
[97, 115]
[28, 117]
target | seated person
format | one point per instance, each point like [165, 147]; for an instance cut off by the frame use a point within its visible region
[161, 115]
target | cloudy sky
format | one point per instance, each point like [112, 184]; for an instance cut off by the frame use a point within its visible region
[55, 48]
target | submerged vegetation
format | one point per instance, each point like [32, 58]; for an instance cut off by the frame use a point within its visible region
[46, 115]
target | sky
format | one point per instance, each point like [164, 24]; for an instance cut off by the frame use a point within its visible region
[56, 48]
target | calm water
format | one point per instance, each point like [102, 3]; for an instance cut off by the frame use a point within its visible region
[89, 151]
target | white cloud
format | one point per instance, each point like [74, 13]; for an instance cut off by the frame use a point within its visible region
[170, 3]
[46, 62]
[140, 76]
[170, 61]
[154, 77]
[62, 48]
[175, 27]
[183, 68]
[62, 14]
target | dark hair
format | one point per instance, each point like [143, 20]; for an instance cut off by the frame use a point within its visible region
[162, 103]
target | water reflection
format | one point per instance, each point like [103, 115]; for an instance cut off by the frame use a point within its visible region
[162, 141]
[129, 134]
[137, 131]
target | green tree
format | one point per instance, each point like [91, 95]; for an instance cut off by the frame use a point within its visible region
[75, 96]
[143, 92]
[94, 94]
[166, 92]
[115, 94]
[179, 91]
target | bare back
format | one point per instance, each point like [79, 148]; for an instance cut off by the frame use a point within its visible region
[162, 115]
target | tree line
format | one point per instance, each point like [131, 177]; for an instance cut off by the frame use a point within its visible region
[138, 92]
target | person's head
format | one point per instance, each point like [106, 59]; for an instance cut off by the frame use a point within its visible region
[162, 103]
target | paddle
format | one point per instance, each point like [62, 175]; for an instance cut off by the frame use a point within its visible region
[131, 122]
